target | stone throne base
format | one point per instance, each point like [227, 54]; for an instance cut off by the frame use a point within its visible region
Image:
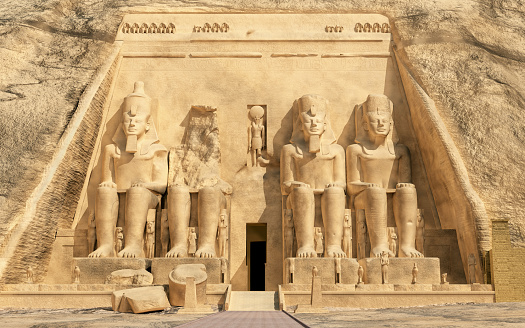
[326, 266]
[400, 270]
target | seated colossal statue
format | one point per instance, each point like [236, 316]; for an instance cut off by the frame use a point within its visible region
[134, 171]
[313, 164]
[194, 168]
[377, 166]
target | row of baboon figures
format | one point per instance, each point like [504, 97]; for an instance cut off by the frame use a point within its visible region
[135, 171]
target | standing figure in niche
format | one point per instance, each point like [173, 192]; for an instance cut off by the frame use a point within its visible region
[164, 232]
[91, 233]
[318, 241]
[384, 266]
[256, 133]
[313, 164]
[119, 240]
[192, 242]
[347, 233]
[420, 232]
[150, 239]
[223, 233]
[288, 233]
[376, 166]
[134, 171]
[361, 233]
[392, 240]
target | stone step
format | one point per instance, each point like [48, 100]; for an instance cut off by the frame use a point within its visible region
[254, 301]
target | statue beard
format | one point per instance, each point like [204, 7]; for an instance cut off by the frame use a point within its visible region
[131, 143]
[315, 144]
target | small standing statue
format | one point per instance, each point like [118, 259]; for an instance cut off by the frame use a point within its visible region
[223, 233]
[337, 270]
[224, 269]
[29, 275]
[164, 233]
[256, 133]
[91, 233]
[361, 238]
[420, 232]
[384, 266]
[360, 273]
[347, 233]
[318, 241]
[150, 239]
[392, 240]
[315, 271]
[444, 278]
[415, 270]
[76, 273]
[288, 233]
[472, 268]
[291, 269]
[192, 241]
[119, 239]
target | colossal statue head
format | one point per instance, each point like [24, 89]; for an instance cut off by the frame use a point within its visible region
[312, 121]
[373, 118]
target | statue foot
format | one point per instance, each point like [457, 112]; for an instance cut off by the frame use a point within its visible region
[409, 252]
[335, 251]
[103, 251]
[306, 251]
[205, 251]
[177, 251]
[130, 252]
[377, 251]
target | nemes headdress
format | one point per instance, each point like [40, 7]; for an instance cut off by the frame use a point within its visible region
[375, 103]
[134, 107]
[313, 105]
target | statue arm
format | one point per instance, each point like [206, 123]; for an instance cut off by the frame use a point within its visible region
[108, 167]
[287, 171]
[160, 172]
[339, 168]
[353, 176]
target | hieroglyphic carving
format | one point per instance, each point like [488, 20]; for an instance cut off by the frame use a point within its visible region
[336, 29]
[213, 28]
[347, 233]
[152, 28]
[420, 232]
[372, 28]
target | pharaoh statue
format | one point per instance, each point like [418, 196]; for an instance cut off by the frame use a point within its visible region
[195, 169]
[222, 234]
[134, 171]
[313, 164]
[347, 233]
[376, 167]
[256, 133]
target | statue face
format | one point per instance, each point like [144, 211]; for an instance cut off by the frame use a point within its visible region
[378, 124]
[313, 125]
[136, 116]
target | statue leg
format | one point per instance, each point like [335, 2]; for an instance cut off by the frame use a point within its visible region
[373, 200]
[179, 208]
[302, 202]
[106, 213]
[333, 208]
[138, 201]
[405, 213]
[211, 200]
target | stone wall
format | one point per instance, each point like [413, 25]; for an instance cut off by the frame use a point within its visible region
[507, 265]
[468, 55]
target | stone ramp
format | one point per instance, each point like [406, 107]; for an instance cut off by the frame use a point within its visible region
[251, 319]
[254, 301]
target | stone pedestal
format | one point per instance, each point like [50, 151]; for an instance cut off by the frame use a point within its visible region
[302, 270]
[161, 268]
[400, 270]
[95, 270]
[61, 271]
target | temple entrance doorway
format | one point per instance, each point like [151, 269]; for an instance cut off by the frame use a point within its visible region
[256, 255]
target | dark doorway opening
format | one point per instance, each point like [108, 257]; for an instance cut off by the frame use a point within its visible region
[256, 255]
[257, 264]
